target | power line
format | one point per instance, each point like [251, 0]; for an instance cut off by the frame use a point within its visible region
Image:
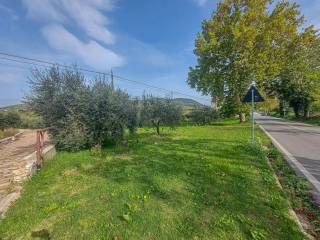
[41, 63]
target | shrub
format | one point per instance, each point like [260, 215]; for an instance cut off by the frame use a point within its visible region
[203, 115]
[30, 120]
[10, 119]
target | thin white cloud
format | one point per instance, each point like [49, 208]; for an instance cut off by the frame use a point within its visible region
[200, 3]
[9, 12]
[92, 53]
[86, 14]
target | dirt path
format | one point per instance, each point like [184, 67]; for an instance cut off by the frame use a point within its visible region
[12, 156]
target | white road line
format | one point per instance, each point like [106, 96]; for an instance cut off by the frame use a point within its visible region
[294, 161]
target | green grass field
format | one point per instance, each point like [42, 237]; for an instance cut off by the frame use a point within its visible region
[191, 183]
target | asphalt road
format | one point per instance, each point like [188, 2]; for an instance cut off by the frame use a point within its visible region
[300, 143]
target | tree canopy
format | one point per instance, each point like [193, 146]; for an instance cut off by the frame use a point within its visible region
[248, 41]
[82, 114]
[157, 111]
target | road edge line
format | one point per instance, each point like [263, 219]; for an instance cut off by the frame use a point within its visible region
[293, 161]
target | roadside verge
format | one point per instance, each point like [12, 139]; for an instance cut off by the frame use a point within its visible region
[300, 191]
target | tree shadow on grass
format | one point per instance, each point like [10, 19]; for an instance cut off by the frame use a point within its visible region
[216, 175]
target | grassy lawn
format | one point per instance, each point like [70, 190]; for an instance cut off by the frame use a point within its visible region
[314, 120]
[191, 183]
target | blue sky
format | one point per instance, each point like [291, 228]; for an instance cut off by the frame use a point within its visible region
[146, 40]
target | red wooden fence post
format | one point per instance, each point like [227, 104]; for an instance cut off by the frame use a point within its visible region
[39, 144]
[38, 149]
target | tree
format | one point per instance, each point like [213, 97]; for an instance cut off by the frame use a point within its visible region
[299, 78]
[232, 51]
[156, 111]
[294, 55]
[82, 115]
[252, 40]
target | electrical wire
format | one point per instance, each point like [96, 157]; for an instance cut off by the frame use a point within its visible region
[44, 63]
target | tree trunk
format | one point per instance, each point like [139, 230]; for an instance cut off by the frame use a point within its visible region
[281, 109]
[156, 125]
[242, 117]
[296, 110]
[306, 110]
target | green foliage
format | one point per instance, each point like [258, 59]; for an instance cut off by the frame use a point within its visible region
[202, 115]
[82, 115]
[30, 120]
[261, 41]
[157, 111]
[299, 79]
[232, 51]
[9, 119]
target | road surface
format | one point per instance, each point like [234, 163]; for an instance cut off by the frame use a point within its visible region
[300, 143]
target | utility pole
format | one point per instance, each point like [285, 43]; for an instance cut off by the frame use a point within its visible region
[112, 80]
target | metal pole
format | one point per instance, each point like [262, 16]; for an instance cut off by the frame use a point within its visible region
[112, 80]
[252, 116]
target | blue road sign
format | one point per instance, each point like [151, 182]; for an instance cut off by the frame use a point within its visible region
[256, 96]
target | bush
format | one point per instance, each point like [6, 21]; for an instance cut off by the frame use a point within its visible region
[30, 120]
[203, 115]
[156, 111]
[10, 119]
[82, 115]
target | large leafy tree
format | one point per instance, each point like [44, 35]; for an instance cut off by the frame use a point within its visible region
[232, 51]
[250, 40]
[299, 78]
[295, 52]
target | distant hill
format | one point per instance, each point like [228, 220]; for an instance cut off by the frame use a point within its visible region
[16, 107]
[187, 102]
[184, 102]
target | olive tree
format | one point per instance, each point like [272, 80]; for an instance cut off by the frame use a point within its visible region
[82, 114]
[159, 111]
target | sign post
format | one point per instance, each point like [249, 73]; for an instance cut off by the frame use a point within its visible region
[252, 115]
[252, 96]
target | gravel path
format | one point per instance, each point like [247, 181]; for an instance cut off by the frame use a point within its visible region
[12, 157]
